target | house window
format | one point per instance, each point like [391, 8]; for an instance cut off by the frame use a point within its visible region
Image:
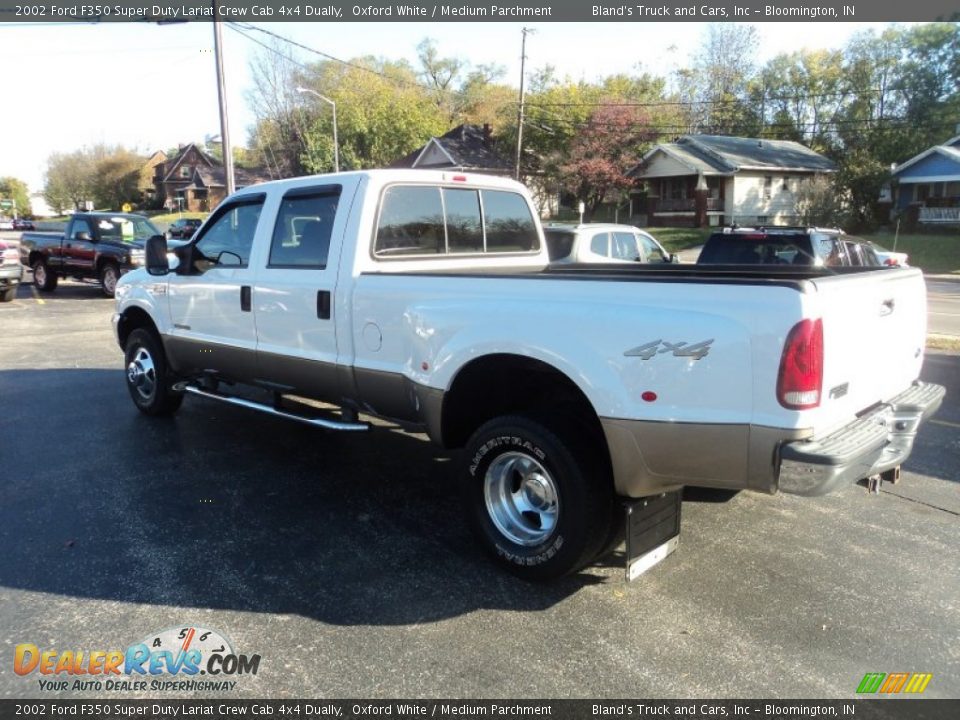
[786, 184]
[767, 186]
[185, 171]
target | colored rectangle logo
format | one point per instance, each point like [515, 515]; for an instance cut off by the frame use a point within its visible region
[892, 683]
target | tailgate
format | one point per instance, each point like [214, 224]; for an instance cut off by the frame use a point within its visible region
[874, 332]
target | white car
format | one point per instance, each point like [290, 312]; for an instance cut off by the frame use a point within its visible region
[603, 243]
[889, 257]
[6, 224]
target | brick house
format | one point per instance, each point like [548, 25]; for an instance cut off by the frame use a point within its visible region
[195, 181]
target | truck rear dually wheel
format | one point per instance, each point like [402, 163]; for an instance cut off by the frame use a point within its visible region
[148, 378]
[537, 497]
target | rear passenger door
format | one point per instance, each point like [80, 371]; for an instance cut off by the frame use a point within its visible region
[294, 293]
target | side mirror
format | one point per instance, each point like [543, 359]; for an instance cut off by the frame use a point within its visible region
[83, 237]
[155, 256]
[674, 258]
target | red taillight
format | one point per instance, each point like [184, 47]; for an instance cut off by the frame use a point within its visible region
[800, 381]
[890, 261]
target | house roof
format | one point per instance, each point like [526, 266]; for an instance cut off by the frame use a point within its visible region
[466, 147]
[217, 177]
[950, 150]
[722, 155]
[174, 162]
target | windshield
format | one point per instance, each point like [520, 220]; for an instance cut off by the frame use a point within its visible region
[126, 228]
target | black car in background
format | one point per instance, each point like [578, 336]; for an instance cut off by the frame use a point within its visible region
[183, 228]
[800, 246]
[21, 224]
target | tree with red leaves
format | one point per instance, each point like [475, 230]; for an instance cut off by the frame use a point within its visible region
[612, 142]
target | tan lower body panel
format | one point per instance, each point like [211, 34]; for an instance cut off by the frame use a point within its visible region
[651, 457]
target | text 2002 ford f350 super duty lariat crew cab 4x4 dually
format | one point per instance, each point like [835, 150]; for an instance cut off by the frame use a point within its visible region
[426, 298]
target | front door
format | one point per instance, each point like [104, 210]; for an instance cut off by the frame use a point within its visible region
[211, 307]
[79, 250]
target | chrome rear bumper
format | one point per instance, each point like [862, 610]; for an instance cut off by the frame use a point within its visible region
[879, 441]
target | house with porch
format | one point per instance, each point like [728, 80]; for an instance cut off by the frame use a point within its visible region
[702, 180]
[927, 186]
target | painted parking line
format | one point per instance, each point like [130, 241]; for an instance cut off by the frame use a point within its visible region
[36, 295]
[946, 423]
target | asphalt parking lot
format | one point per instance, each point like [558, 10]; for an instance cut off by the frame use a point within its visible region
[343, 562]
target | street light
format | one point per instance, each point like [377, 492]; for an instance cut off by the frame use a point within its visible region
[336, 147]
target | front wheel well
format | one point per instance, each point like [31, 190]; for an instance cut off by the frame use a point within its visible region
[132, 319]
[504, 384]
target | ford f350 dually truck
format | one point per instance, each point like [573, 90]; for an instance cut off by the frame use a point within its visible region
[427, 298]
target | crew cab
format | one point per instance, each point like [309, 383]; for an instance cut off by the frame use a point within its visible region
[96, 246]
[428, 298]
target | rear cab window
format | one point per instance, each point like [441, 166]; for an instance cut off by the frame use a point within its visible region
[431, 220]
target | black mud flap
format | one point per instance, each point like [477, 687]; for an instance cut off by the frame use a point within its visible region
[652, 530]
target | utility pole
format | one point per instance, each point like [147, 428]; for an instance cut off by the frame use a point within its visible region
[222, 94]
[523, 59]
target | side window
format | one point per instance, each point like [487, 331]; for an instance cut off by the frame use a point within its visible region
[600, 244]
[624, 246]
[301, 237]
[229, 239]
[559, 243]
[80, 226]
[464, 227]
[411, 222]
[509, 224]
[651, 251]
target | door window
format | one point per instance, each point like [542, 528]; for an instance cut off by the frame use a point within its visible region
[652, 252]
[301, 237]
[624, 247]
[80, 226]
[227, 241]
[600, 244]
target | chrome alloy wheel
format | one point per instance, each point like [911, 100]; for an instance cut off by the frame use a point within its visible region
[522, 498]
[141, 374]
[110, 279]
[40, 274]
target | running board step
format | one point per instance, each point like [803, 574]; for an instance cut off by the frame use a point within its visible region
[270, 410]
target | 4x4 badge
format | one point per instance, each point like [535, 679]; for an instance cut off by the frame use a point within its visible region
[680, 349]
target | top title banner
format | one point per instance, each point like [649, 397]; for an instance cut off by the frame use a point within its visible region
[477, 10]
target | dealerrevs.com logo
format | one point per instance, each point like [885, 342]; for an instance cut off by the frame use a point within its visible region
[177, 659]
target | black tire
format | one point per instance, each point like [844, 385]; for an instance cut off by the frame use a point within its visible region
[109, 275]
[43, 278]
[147, 377]
[540, 501]
[8, 294]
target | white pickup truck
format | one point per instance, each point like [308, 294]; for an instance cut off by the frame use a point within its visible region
[427, 298]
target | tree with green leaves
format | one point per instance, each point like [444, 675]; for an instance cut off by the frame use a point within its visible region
[15, 190]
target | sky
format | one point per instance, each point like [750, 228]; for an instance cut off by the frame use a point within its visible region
[153, 87]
